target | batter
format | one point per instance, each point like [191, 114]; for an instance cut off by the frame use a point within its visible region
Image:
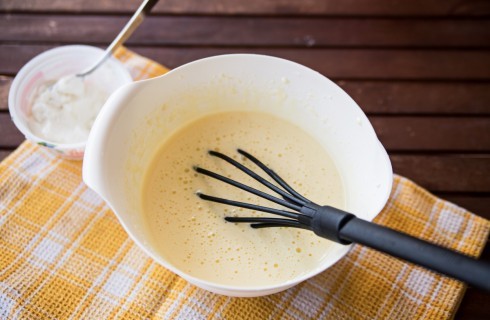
[192, 234]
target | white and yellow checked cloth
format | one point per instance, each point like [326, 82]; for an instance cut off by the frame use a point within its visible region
[63, 255]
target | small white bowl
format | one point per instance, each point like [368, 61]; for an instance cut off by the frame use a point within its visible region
[139, 117]
[52, 65]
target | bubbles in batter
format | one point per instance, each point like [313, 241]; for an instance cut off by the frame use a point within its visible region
[192, 234]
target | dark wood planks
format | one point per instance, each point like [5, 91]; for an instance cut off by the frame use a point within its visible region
[263, 7]
[447, 172]
[398, 97]
[250, 31]
[5, 83]
[10, 137]
[475, 302]
[334, 63]
[392, 97]
[4, 154]
[470, 134]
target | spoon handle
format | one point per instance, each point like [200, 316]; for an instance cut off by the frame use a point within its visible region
[125, 33]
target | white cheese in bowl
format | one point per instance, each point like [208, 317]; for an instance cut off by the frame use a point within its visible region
[63, 111]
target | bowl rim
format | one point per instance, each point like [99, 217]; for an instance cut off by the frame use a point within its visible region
[29, 66]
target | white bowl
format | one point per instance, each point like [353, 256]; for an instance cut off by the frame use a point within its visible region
[137, 118]
[52, 65]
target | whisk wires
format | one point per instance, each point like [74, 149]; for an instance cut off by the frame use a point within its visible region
[289, 197]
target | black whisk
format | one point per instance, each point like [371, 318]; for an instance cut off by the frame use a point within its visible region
[344, 227]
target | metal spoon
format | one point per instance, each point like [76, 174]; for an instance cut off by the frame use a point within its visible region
[125, 33]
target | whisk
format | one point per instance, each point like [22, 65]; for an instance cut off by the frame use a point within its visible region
[343, 227]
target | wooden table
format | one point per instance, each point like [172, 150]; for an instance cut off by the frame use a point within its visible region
[420, 69]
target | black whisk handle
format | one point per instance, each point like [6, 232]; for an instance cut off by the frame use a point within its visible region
[325, 221]
[475, 273]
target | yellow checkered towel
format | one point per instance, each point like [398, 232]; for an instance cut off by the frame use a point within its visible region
[64, 255]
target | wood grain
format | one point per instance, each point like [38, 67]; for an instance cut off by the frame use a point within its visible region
[250, 31]
[5, 83]
[398, 97]
[4, 154]
[263, 7]
[469, 134]
[334, 63]
[445, 173]
[475, 302]
[10, 136]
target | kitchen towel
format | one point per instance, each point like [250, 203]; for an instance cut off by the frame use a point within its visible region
[64, 255]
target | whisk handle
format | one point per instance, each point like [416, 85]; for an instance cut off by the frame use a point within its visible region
[475, 273]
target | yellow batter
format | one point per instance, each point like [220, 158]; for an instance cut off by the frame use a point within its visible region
[192, 234]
